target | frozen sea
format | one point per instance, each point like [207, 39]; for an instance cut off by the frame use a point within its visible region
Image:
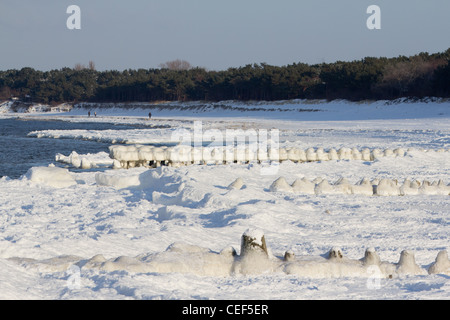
[168, 233]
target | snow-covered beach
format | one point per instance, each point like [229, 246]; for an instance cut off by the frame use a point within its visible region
[174, 232]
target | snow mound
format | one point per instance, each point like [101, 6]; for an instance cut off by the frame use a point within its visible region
[51, 176]
[56, 264]
[280, 185]
[151, 179]
[236, 184]
[162, 186]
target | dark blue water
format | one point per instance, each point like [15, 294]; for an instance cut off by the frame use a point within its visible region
[18, 152]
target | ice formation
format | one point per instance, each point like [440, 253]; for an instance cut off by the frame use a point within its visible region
[343, 186]
[407, 264]
[130, 156]
[86, 161]
[253, 241]
[335, 254]
[324, 187]
[236, 184]
[73, 159]
[254, 258]
[280, 185]
[371, 257]
[117, 180]
[303, 186]
[363, 187]
[51, 176]
[152, 179]
[376, 187]
[441, 265]
[387, 187]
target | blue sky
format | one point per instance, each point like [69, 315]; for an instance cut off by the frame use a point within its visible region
[214, 34]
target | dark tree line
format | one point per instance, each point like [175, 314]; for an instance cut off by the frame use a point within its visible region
[419, 76]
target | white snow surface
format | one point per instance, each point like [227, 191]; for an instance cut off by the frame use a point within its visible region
[175, 232]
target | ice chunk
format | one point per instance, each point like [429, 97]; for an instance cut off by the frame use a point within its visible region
[51, 176]
[389, 153]
[324, 187]
[435, 188]
[400, 152]
[371, 257]
[303, 186]
[322, 155]
[283, 154]
[292, 154]
[407, 264]
[363, 187]
[387, 187]
[343, 186]
[85, 163]
[365, 154]
[441, 265]
[356, 154]
[332, 154]
[377, 154]
[311, 155]
[335, 253]
[345, 154]
[117, 179]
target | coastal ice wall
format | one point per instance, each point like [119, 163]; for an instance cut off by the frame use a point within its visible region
[129, 156]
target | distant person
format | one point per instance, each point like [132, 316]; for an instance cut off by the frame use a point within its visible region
[95, 114]
[89, 114]
[149, 115]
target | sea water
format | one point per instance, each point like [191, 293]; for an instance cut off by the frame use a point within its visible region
[19, 152]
